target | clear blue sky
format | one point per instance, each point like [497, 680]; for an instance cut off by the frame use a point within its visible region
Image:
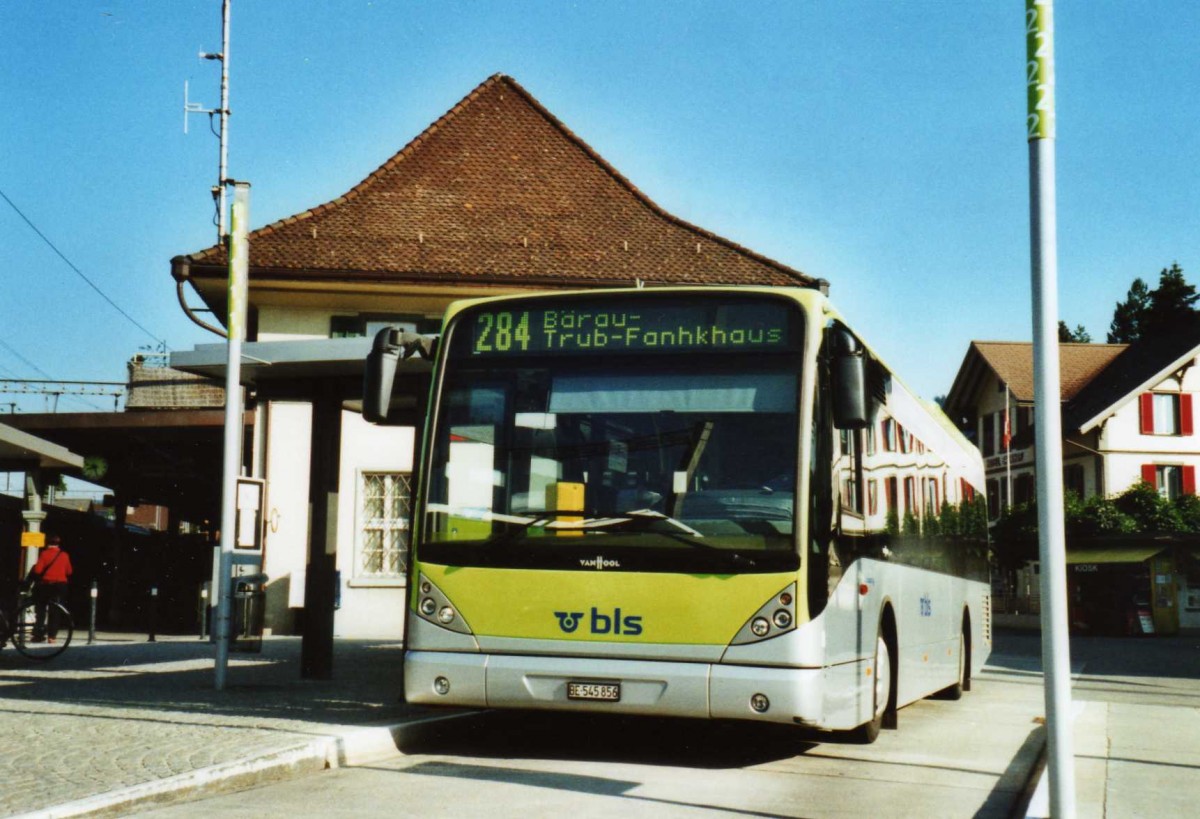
[878, 144]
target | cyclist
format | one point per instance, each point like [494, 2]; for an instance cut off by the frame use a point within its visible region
[51, 577]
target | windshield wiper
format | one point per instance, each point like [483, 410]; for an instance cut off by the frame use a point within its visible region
[639, 519]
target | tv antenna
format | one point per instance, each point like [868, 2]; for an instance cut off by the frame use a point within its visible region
[192, 107]
[223, 180]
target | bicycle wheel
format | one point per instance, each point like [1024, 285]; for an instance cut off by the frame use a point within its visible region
[47, 642]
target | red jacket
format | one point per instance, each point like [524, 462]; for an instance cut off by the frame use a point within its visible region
[54, 565]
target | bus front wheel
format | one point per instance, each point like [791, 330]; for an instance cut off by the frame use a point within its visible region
[881, 691]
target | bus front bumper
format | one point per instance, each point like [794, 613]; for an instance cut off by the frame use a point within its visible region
[678, 689]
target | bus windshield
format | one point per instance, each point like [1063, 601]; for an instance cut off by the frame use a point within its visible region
[630, 462]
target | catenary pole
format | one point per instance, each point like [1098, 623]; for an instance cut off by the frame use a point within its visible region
[1039, 34]
[224, 112]
[239, 274]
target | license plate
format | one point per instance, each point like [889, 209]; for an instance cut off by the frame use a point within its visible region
[605, 692]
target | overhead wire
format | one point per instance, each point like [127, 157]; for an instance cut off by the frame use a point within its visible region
[79, 272]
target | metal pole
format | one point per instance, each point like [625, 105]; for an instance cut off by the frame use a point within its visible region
[224, 112]
[239, 273]
[204, 587]
[153, 614]
[1056, 651]
[1007, 437]
[93, 594]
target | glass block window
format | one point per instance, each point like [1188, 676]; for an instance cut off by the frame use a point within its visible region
[384, 516]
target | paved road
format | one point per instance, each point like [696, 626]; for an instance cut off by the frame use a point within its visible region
[970, 758]
[126, 713]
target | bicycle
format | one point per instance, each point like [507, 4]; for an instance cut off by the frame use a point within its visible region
[20, 625]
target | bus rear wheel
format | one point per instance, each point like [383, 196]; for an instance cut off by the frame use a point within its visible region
[881, 691]
[955, 691]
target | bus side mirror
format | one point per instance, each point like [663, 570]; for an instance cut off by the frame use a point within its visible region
[848, 363]
[381, 374]
[391, 344]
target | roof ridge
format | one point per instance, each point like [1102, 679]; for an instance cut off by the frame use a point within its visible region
[1060, 344]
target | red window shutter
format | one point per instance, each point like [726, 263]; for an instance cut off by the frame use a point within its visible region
[1150, 474]
[1189, 480]
[1185, 414]
[1147, 405]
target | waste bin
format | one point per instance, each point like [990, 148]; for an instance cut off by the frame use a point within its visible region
[248, 613]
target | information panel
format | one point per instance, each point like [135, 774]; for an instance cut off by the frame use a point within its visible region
[649, 325]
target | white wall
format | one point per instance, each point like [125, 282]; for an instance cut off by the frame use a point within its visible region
[286, 539]
[291, 324]
[371, 608]
[1127, 449]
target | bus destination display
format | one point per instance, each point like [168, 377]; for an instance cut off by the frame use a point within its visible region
[630, 326]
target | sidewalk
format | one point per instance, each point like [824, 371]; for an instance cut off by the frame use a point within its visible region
[126, 721]
[1136, 732]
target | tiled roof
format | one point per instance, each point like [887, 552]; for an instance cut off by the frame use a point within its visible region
[496, 192]
[1012, 363]
[1078, 364]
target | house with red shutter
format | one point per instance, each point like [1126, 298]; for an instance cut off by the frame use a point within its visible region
[1128, 415]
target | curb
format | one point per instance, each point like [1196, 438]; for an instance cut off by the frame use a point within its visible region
[355, 747]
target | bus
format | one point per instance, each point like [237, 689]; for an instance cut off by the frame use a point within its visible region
[697, 502]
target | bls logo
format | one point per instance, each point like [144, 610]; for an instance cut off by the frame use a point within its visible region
[630, 625]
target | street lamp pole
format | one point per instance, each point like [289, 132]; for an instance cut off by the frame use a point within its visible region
[1056, 650]
[239, 275]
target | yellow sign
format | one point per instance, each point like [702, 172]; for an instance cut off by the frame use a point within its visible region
[33, 540]
[1039, 48]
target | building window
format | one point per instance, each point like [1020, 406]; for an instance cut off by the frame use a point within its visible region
[873, 497]
[997, 498]
[1166, 413]
[1073, 479]
[1024, 488]
[369, 325]
[988, 434]
[384, 514]
[1170, 480]
[850, 499]
[889, 435]
[889, 491]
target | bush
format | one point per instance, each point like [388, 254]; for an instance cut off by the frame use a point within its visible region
[1188, 509]
[1150, 511]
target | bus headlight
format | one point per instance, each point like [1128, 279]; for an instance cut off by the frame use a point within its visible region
[435, 607]
[776, 616]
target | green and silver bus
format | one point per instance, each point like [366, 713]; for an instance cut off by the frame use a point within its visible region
[695, 502]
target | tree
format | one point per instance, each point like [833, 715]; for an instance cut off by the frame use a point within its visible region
[1171, 304]
[1158, 312]
[1130, 315]
[1077, 336]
